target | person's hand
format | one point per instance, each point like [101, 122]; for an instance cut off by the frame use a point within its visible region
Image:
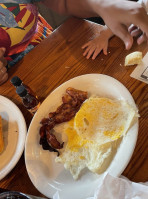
[136, 32]
[119, 14]
[95, 46]
[99, 43]
[3, 70]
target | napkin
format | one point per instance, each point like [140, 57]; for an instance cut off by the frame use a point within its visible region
[110, 187]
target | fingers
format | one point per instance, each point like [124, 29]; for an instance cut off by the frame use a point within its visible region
[2, 52]
[141, 21]
[3, 70]
[140, 26]
[86, 51]
[136, 32]
[96, 52]
[3, 61]
[90, 52]
[131, 28]
[93, 49]
[142, 39]
[4, 78]
[89, 49]
[3, 74]
[86, 45]
[124, 35]
[105, 50]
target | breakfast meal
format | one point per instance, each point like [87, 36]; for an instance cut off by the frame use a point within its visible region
[94, 134]
[1, 137]
[94, 128]
[133, 58]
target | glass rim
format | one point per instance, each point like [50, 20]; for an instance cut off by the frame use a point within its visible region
[14, 193]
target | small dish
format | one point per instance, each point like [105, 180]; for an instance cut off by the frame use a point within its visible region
[14, 133]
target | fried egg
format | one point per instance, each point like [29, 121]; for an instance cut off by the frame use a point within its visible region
[103, 119]
[94, 135]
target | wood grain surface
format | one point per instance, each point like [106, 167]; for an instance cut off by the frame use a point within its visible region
[58, 59]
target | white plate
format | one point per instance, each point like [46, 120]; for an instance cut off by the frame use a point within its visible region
[48, 176]
[14, 132]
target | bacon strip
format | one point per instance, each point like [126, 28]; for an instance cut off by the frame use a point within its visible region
[72, 102]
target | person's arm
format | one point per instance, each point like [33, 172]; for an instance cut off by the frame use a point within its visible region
[79, 8]
[117, 14]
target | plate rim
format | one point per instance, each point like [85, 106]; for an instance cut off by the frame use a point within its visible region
[46, 99]
[17, 154]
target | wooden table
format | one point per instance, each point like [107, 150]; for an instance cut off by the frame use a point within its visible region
[58, 59]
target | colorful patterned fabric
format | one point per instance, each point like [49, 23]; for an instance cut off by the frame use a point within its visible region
[21, 26]
[19, 1]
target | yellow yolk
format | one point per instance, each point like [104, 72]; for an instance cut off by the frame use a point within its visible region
[103, 119]
[75, 142]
